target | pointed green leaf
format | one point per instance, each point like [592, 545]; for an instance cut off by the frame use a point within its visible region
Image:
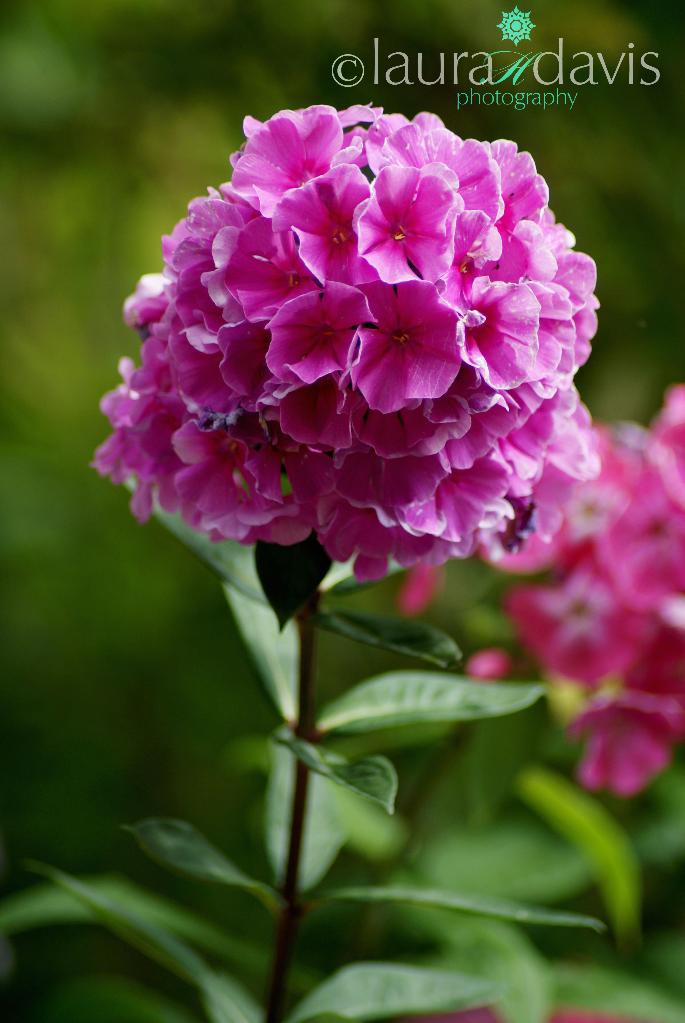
[323, 835]
[46, 905]
[411, 697]
[370, 991]
[584, 822]
[148, 938]
[401, 635]
[227, 1001]
[477, 905]
[373, 778]
[290, 576]
[177, 845]
[274, 653]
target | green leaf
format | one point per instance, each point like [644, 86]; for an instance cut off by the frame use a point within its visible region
[274, 653]
[373, 778]
[477, 905]
[148, 938]
[402, 635]
[584, 822]
[369, 991]
[290, 576]
[46, 905]
[619, 993]
[226, 1001]
[323, 834]
[512, 859]
[411, 697]
[177, 845]
[233, 563]
[108, 1000]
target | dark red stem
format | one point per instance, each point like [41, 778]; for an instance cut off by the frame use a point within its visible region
[292, 909]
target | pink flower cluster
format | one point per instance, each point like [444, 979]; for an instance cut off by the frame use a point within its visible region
[371, 332]
[613, 617]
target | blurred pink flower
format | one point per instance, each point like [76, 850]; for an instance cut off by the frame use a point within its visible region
[420, 587]
[489, 665]
[578, 628]
[667, 444]
[612, 611]
[630, 738]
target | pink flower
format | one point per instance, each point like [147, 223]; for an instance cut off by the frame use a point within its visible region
[614, 609]
[318, 415]
[489, 665]
[371, 332]
[411, 351]
[243, 365]
[524, 191]
[667, 444]
[145, 414]
[406, 228]
[227, 491]
[578, 628]
[311, 336]
[661, 669]
[477, 172]
[322, 214]
[419, 589]
[261, 268]
[466, 500]
[287, 151]
[644, 549]
[502, 332]
[630, 738]
[147, 304]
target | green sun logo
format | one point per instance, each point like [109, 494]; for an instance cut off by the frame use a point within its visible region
[516, 25]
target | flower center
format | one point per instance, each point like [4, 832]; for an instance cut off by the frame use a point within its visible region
[401, 337]
[579, 610]
[399, 234]
[293, 279]
[340, 236]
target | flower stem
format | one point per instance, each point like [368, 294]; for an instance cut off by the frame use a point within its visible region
[292, 909]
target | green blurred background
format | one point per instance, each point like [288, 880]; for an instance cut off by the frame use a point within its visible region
[123, 682]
